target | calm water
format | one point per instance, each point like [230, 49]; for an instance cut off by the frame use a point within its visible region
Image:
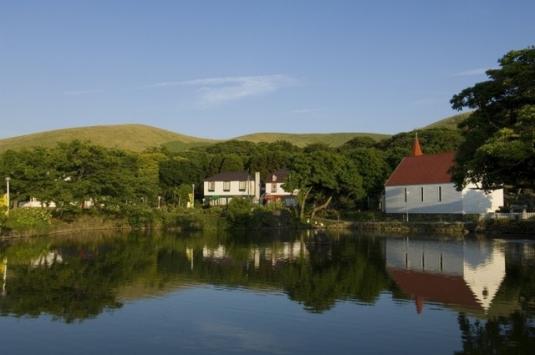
[283, 294]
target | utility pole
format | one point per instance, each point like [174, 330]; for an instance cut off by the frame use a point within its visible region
[192, 196]
[8, 179]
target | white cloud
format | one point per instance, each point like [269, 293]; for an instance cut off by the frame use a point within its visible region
[472, 72]
[219, 90]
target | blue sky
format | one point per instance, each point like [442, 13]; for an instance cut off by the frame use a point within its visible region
[223, 68]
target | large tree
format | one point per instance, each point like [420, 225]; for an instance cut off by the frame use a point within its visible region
[499, 145]
[321, 177]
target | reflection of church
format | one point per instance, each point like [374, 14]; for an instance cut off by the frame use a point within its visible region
[461, 273]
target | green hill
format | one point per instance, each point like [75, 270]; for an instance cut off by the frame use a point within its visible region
[449, 122]
[301, 140]
[137, 137]
[133, 137]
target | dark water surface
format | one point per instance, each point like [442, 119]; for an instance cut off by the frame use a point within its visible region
[273, 293]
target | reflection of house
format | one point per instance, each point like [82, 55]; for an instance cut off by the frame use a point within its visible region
[213, 253]
[47, 259]
[423, 184]
[275, 191]
[467, 274]
[279, 252]
[223, 187]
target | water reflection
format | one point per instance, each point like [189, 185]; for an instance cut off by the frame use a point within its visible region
[464, 273]
[489, 284]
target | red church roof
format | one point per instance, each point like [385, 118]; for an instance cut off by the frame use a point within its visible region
[423, 169]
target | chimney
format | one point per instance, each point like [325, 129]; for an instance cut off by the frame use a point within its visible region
[257, 187]
[416, 148]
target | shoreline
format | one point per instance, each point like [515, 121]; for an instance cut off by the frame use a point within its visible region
[456, 229]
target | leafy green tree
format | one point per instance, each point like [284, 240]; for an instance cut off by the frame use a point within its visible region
[499, 145]
[433, 140]
[374, 169]
[359, 142]
[322, 176]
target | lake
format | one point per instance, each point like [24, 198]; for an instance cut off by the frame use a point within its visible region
[273, 293]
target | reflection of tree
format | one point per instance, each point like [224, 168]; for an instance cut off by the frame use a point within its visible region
[91, 272]
[514, 334]
[506, 332]
[347, 269]
[92, 275]
[81, 286]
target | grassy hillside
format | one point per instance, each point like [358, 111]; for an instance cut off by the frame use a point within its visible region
[138, 137]
[133, 137]
[449, 122]
[301, 140]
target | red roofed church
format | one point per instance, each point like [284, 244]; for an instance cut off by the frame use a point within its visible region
[422, 183]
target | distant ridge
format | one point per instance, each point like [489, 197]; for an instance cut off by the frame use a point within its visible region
[449, 122]
[138, 137]
[135, 137]
[303, 139]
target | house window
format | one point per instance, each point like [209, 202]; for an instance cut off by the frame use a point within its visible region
[440, 194]
[273, 188]
[406, 194]
[226, 186]
[422, 193]
[243, 185]
[211, 186]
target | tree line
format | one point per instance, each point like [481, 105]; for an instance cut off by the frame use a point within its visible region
[348, 177]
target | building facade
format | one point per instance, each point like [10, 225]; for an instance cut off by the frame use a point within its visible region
[221, 188]
[422, 183]
[275, 192]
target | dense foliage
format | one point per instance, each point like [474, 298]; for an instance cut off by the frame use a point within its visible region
[499, 149]
[75, 175]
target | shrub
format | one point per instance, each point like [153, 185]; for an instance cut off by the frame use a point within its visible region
[239, 211]
[20, 219]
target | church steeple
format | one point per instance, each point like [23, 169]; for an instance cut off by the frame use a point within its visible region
[416, 148]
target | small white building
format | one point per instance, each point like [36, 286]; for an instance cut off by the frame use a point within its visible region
[422, 183]
[275, 192]
[221, 188]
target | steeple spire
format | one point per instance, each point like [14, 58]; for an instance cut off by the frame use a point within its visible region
[416, 148]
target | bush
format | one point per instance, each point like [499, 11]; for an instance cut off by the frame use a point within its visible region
[138, 216]
[21, 219]
[239, 211]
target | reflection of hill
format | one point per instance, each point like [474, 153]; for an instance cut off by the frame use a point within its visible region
[73, 279]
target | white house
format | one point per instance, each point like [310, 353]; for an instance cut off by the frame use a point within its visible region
[274, 190]
[221, 188]
[422, 183]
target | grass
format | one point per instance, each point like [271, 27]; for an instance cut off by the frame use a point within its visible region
[449, 122]
[137, 137]
[134, 137]
[301, 140]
